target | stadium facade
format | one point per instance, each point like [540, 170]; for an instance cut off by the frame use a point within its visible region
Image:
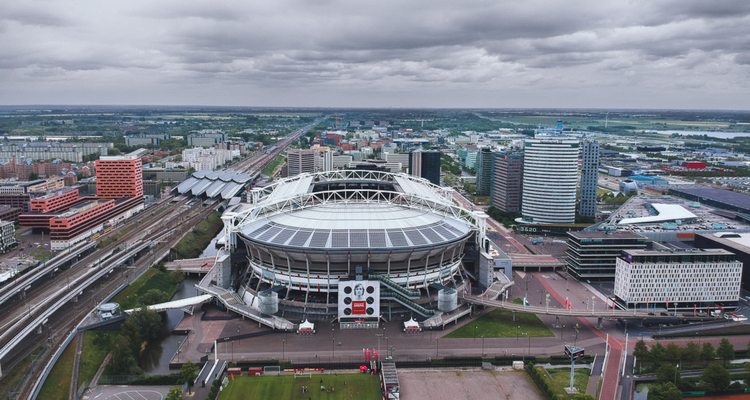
[315, 241]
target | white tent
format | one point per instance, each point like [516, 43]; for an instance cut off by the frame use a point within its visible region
[306, 328]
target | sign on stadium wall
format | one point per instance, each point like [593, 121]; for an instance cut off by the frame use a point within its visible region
[359, 299]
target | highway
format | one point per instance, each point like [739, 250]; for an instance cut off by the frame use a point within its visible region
[43, 304]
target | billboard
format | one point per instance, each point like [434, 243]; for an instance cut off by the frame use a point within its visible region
[359, 299]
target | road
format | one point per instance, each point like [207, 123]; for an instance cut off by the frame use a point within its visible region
[150, 224]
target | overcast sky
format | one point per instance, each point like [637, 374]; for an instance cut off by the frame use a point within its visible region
[349, 53]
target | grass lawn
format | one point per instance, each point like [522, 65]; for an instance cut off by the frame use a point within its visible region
[96, 346]
[358, 386]
[152, 279]
[499, 323]
[57, 385]
[192, 245]
[271, 168]
[561, 380]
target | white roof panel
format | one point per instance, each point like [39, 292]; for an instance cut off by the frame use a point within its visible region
[187, 185]
[215, 188]
[667, 213]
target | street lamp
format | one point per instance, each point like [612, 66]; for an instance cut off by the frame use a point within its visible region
[283, 343]
[517, 329]
[475, 332]
[333, 349]
[238, 334]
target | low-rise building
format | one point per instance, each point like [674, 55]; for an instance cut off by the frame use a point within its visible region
[684, 279]
[593, 255]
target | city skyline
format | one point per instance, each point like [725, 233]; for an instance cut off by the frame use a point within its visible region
[662, 54]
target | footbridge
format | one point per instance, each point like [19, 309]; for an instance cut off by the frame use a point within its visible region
[177, 304]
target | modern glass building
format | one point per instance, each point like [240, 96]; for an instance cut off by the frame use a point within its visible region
[425, 164]
[550, 176]
[484, 172]
[507, 181]
[589, 178]
[593, 255]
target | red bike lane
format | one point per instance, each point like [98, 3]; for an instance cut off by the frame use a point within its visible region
[612, 369]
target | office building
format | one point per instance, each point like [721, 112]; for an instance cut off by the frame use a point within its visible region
[550, 178]
[677, 279]
[425, 164]
[589, 178]
[507, 181]
[7, 235]
[737, 243]
[169, 176]
[8, 213]
[484, 171]
[206, 139]
[119, 176]
[300, 161]
[146, 139]
[593, 255]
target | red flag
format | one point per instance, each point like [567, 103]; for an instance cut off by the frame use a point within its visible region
[667, 304]
[365, 353]
[232, 376]
[694, 308]
[646, 303]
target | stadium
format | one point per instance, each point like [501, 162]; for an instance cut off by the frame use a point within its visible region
[354, 245]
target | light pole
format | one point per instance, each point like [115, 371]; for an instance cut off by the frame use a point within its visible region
[238, 334]
[437, 347]
[283, 343]
[675, 374]
[379, 335]
[517, 330]
[333, 349]
[529, 349]
[475, 332]
[482, 345]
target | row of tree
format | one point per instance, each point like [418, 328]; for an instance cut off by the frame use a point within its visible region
[659, 354]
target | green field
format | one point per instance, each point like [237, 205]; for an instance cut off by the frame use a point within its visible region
[57, 384]
[153, 279]
[499, 323]
[358, 386]
[192, 245]
[561, 379]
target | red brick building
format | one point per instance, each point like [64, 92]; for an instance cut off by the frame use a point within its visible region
[119, 176]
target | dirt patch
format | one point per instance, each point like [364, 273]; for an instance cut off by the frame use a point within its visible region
[465, 385]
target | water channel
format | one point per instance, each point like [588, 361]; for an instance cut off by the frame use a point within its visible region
[157, 354]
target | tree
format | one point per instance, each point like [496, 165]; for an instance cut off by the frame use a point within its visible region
[154, 296]
[666, 373]
[673, 352]
[664, 391]
[715, 377]
[145, 322]
[175, 393]
[691, 353]
[188, 374]
[640, 351]
[708, 353]
[725, 350]
[581, 396]
[123, 360]
[656, 355]
[33, 176]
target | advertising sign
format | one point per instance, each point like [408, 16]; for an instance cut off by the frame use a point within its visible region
[359, 299]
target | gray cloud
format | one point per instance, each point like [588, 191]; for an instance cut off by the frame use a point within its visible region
[390, 53]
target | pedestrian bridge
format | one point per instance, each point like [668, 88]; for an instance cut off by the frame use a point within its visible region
[177, 304]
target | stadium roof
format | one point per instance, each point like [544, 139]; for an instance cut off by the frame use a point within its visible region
[375, 225]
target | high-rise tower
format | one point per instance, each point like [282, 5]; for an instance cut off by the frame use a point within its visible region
[550, 175]
[507, 181]
[589, 178]
[120, 176]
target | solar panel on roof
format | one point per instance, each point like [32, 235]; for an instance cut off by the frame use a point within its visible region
[377, 238]
[415, 237]
[340, 238]
[431, 235]
[260, 230]
[282, 237]
[358, 237]
[269, 233]
[452, 229]
[320, 238]
[440, 229]
[301, 238]
[397, 238]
